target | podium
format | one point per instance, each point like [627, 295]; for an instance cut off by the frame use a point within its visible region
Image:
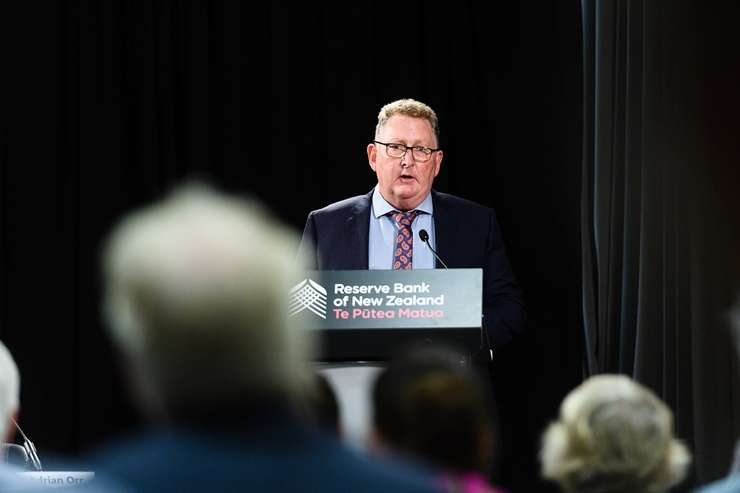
[364, 315]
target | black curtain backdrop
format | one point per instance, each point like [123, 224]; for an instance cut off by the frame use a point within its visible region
[661, 212]
[107, 105]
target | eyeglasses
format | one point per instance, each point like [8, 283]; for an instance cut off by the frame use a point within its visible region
[420, 153]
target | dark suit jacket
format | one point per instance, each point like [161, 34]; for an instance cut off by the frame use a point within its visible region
[467, 236]
[270, 454]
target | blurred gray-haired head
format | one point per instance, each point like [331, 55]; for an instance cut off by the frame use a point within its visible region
[196, 299]
[10, 385]
[613, 435]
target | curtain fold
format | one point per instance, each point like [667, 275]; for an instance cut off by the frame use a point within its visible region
[612, 187]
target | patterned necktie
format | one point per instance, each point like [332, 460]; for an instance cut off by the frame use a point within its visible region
[403, 254]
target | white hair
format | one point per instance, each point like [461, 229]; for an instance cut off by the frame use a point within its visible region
[613, 435]
[196, 296]
[10, 385]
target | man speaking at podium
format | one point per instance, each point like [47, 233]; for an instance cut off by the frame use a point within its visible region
[402, 222]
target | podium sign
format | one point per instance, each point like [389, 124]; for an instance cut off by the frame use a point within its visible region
[366, 313]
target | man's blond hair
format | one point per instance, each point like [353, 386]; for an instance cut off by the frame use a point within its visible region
[407, 107]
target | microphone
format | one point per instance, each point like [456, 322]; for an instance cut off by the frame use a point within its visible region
[29, 448]
[424, 236]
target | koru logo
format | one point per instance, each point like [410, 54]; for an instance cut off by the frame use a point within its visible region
[308, 295]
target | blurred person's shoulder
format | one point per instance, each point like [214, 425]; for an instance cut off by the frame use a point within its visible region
[287, 458]
[730, 484]
[352, 470]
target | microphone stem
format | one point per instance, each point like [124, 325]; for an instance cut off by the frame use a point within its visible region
[435, 254]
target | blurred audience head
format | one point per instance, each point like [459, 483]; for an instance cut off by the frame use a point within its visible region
[613, 436]
[429, 406]
[324, 409]
[10, 384]
[196, 300]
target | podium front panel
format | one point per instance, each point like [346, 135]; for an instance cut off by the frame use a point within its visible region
[366, 314]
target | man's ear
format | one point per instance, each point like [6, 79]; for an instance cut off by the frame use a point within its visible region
[438, 162]
[372, 154]
[146, 397]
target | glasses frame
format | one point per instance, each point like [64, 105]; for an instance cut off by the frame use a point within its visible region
[409, 148]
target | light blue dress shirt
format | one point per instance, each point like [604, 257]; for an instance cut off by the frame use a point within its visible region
[383, 231]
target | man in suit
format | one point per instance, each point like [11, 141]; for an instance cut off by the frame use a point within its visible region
[372, 231]
[196, 291]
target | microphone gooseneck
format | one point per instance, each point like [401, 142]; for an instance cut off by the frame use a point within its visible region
[424, 236]
[30, 448]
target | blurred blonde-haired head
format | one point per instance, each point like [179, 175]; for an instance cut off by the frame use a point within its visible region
[196, 299]
[613, 436]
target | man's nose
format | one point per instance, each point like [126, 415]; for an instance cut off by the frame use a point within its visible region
[408, 158]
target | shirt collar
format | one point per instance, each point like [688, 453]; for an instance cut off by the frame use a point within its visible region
[381, 207]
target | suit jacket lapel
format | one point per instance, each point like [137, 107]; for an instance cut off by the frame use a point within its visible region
[358, 229]
[445, 231]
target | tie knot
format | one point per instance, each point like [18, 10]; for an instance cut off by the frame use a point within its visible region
[404, 219]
